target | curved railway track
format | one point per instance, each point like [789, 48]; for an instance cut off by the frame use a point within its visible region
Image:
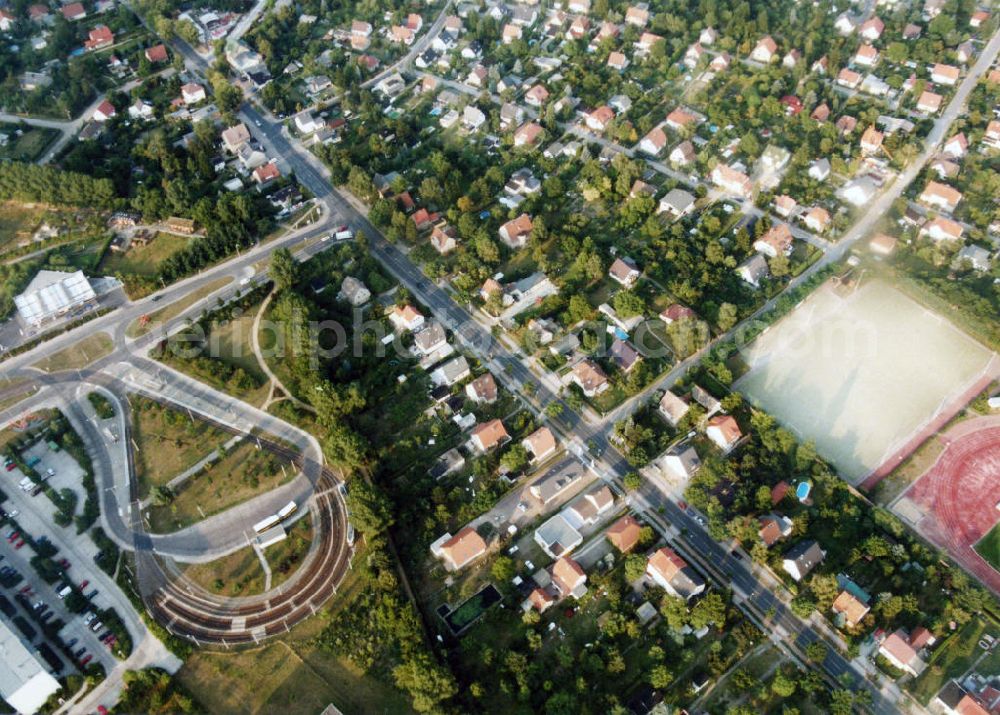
[189, 611]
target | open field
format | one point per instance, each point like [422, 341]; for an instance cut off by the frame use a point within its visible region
[989, 547]
[952, 658]
[78, 355]
[16, 223]
[241, 474]
[237, 574]
[30, 145]
[860, 372]
[168, 442]
[142, 260]
[163, 315]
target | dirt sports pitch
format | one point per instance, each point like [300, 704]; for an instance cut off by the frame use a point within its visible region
[954, 503]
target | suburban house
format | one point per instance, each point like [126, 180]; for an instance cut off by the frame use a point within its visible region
[459, 550]
[74, 11]
[848, 78]
[668, 570]
[882, 244]
[956, 146]
[866, 56]
[774, 528]
[819, 169]
[973, 696]
[672, 408]
[618, 61]
[156, 53]
[192, 93]
[849, 609]
[676, 203]
[235, 136]
[940, 196]
[929, 102]
[802, 558]
[515, 232]
[266, 173]
[704, 398]
[753, 270]
[675, 312]
[858, 191]
[105, 111]
[942, 229]
[872, 28]
[624, 271]
[354, 291]
[898, 648]
[569, 578]
[871, 140]
[489, 435]
[654, 142]
[623, 355]
[599, 119]
[817, 219]
[945, 74]
[587, 509]
[590, 378]
[99, 38]
[680, 462]
[732, 181]
[624, 534]
[539, 599]
[432, 340]
[555, 482]
[557, 537]
[680, 118]
[527, 134]
[991, 137]
[723, 431]
[785, 205]
[721, 62]
[406, 317]
[540, 444]
[765, 50]
[482, 390]
[776, 242]
[452, 372]
[682, 154]
[536, 96]
[444, 238]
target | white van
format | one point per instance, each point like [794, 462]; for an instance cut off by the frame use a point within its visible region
[65, 592]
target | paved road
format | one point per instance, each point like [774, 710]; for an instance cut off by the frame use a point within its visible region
[419, 45]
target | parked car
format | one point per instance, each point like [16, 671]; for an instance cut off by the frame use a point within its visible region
[71, 642]
[19, 544]
[92, 594]
[80, 652]
[86, 659]
[64, 563]
[84, 584]
[88, 618]
[96, 626]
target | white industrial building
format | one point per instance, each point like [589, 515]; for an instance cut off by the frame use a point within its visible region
[52, 294]
[24, 682]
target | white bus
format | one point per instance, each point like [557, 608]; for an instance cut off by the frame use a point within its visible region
[265, 524]
[287, 510]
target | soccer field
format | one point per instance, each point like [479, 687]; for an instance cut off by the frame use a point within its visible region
[859, 372]
[989, 547]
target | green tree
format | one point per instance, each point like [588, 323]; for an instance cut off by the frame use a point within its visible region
[370, 509]
[782, 685]
[503, 568]
[727, 316]
[284, 269]
[428, 683]
[632, 481]
[635, 567]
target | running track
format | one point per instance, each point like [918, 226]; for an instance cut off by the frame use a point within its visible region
[959, 493]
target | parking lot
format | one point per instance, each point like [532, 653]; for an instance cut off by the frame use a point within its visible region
[79, 638]
[66, 473]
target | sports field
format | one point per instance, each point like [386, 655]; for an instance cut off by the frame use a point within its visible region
[989, 547]
[861, 372]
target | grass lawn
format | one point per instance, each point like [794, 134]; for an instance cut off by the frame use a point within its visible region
[286, 556]
[241, 474]
[291, 674]
[142, 260]
[238, 574]
[989, 547]
[25, 391]
[79, 354]
[952, 658]
[168, 442]
[30, 145]
[167, 313]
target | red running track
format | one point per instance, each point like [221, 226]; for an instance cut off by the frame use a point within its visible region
[959, 494]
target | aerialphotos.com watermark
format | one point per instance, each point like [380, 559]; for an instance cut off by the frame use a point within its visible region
[324, 340]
